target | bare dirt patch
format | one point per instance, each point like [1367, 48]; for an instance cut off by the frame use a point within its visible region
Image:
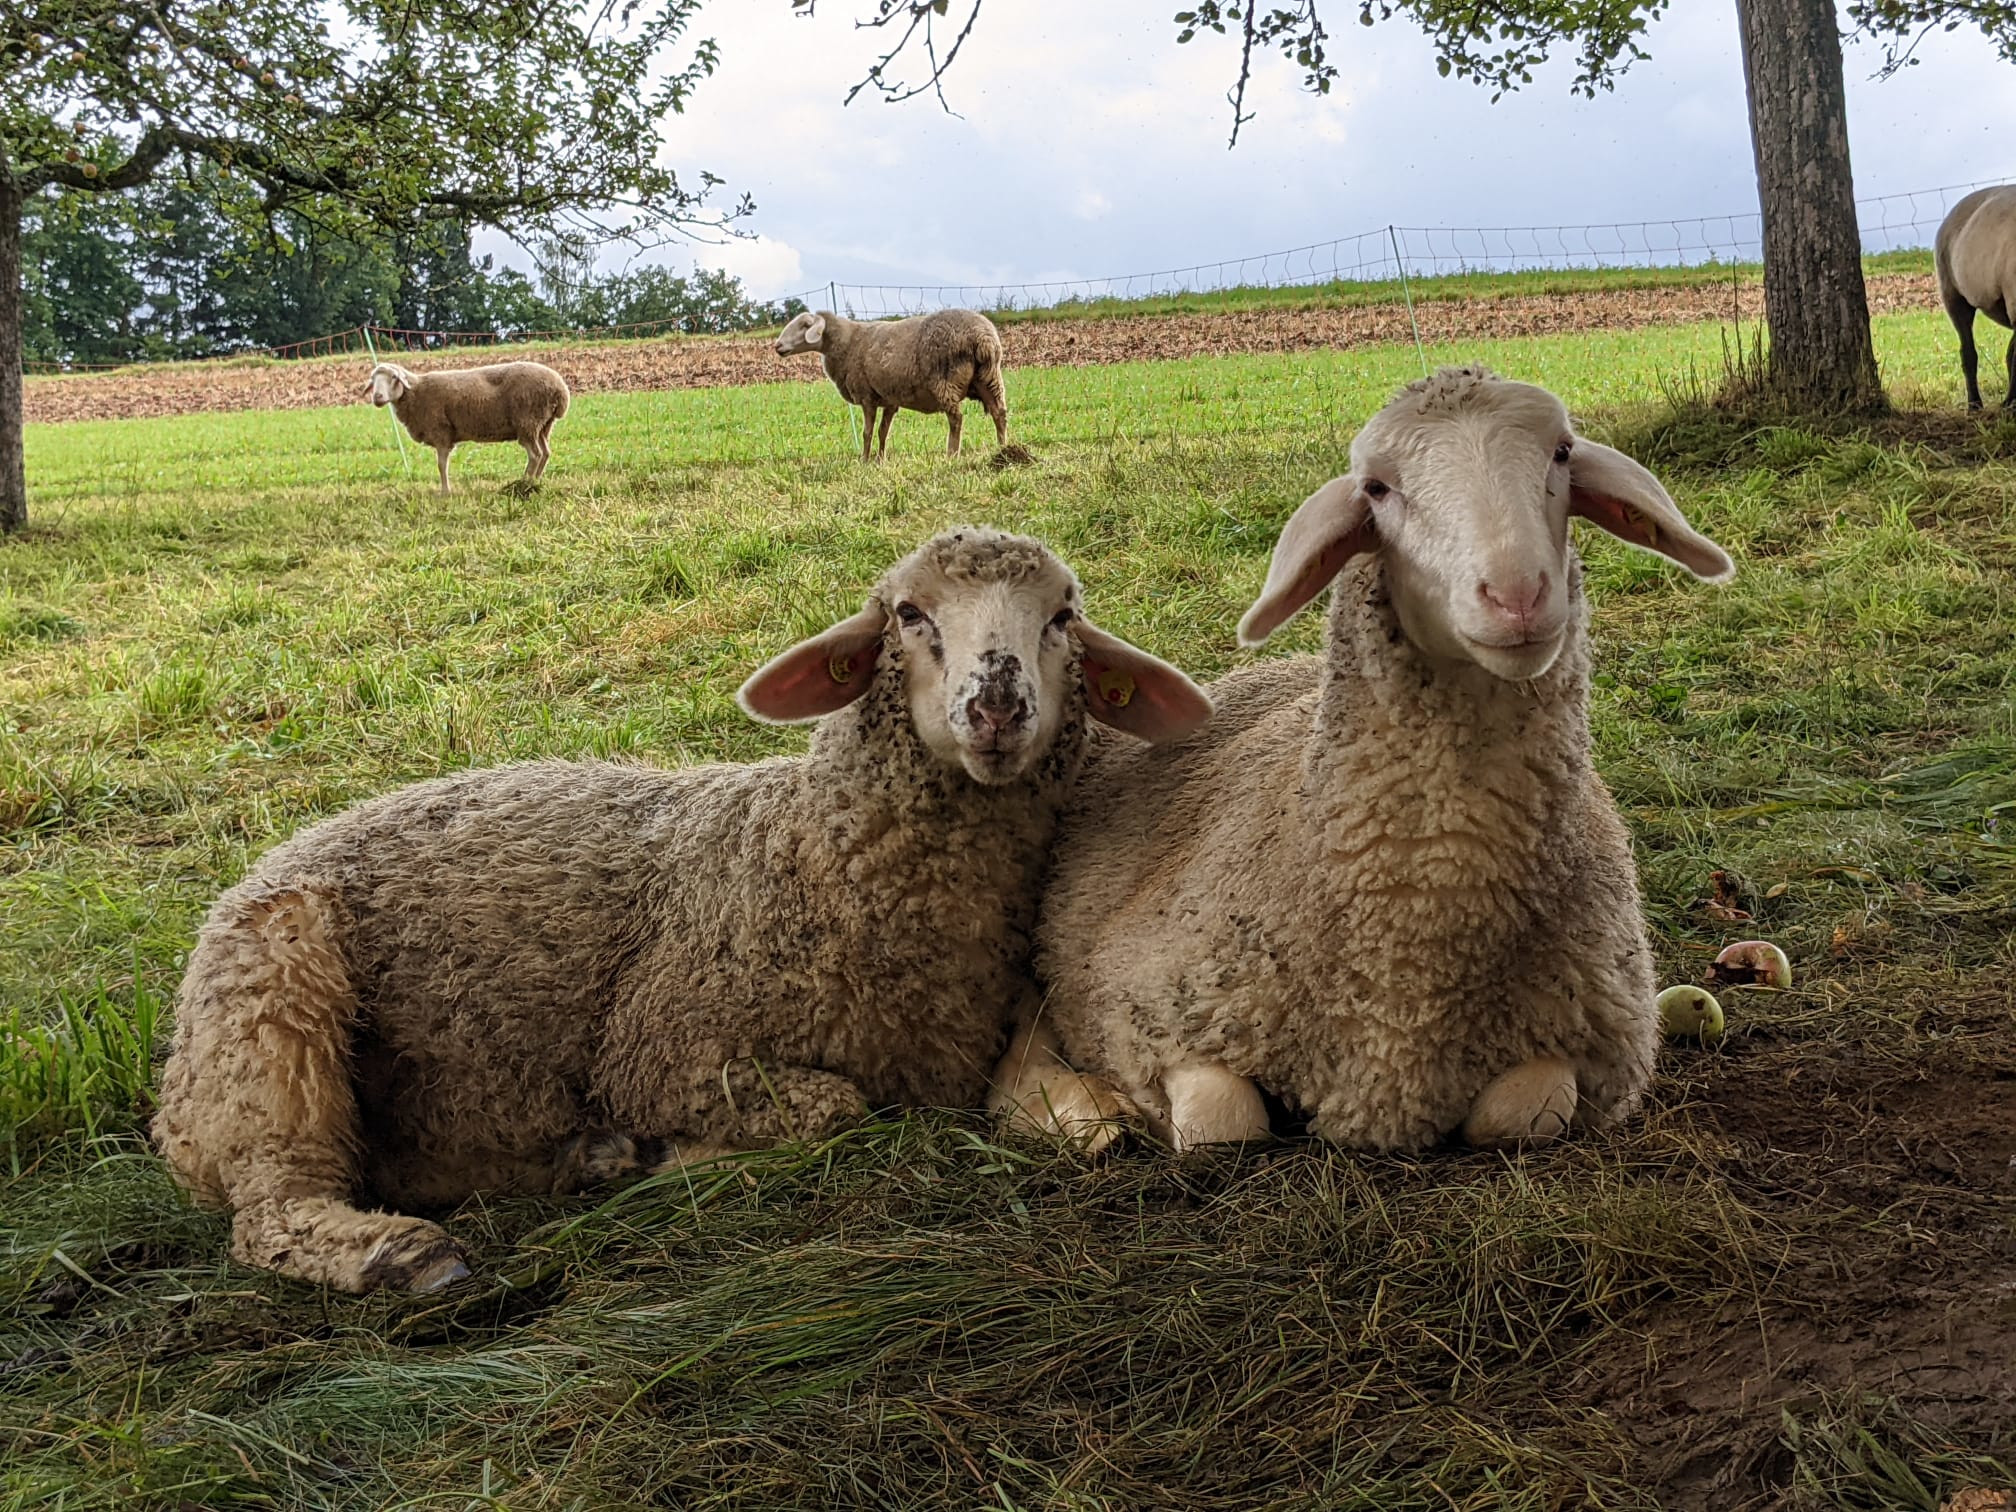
[1901, 1181]
[729, 361]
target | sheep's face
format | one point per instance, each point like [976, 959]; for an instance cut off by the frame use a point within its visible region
[1464, 485]
[388, 384]
[1469, 504]
[806, 332]
[987, 660]
[989, 641]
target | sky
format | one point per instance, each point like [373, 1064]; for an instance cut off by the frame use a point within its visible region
[1088, 147]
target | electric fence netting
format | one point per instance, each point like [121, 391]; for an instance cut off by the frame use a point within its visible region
[1384, 254]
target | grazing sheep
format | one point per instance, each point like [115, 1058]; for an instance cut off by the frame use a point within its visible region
[538, 976]
[929, 363]
[506, 401]
[1386, 884]
[1975, 253]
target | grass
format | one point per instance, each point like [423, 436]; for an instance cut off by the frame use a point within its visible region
[223, 627]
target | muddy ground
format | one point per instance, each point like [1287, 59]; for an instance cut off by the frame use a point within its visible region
[708, 362]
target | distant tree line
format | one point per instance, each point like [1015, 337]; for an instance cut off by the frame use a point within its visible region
[179, 268]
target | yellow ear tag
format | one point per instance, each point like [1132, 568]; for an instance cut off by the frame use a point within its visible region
[840, 667]
[1116, 687]
[1647, 524]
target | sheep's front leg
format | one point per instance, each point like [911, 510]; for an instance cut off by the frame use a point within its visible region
[1209, 1104]
[882, 443]
[2009, 399]
[441, 455]
[774, 1104]
[957, 417]
[1531, 1104]
[868, 431]
[1034, 1090]
[257, 1110]
[1961, 313]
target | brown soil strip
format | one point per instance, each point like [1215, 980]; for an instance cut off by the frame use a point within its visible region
[711, 362]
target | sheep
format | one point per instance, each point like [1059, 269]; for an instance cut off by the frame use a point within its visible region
[928, 363]
[506, 401]
[1386, 884]
[1975, 254]
[539, 976]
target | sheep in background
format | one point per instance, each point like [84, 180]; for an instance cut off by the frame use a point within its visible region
[1975, 254]
[506, 401]
[928, 363]
[1387, 883]
[534, 977]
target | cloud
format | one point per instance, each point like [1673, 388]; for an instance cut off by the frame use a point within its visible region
[1098, 146]
[768, 268]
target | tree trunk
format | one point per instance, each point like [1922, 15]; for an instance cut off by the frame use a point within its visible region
[13, 471]
[1822, 356]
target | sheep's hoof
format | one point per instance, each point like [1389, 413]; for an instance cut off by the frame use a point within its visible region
[1532, 1104]
[1209, 1104]
[1087, 1112]
[419, 1260]
[1014, 454]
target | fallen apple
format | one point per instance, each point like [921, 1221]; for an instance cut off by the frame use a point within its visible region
[1690, 1012]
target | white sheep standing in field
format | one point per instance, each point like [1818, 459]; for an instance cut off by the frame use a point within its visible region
[929, 363]
[1386, 884]
[536, 976]
[1975, 255]
[505, 401]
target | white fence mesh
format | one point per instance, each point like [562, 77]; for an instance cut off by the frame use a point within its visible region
[1889, 223]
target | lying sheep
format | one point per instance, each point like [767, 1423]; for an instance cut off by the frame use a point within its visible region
[538, 976]
[1975, 254]
[929, 363]
[506, 401]
[1387, 884]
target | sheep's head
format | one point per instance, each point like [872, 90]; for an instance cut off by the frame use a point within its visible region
[806, 332]
[388, 385]
[1464, 484]
[988, 636]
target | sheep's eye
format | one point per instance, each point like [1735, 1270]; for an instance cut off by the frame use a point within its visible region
[1376, 489]
[1062, 618]
[1561, 452]
[910, 614]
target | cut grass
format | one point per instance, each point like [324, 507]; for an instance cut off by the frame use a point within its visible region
[223, 627]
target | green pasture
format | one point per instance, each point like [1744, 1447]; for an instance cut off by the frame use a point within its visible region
[222, 627]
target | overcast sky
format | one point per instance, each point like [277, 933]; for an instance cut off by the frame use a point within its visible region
[1088, 143]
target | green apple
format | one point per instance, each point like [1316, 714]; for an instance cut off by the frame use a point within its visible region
[1690, 1012]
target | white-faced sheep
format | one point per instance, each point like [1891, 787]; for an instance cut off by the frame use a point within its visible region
[1975, 255]
[1386, 884]
[536, 976]
[929, 363]
[506, 401]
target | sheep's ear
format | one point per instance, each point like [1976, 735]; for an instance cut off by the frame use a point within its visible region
[816, 331]
[1612, 491]
[1130, 690]
[819, 675]
[1333, 525]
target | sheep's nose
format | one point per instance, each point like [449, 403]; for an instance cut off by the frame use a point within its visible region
[1516, 598]
[996, 714]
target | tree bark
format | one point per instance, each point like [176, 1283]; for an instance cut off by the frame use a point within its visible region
[1822, 355]
[13, 469]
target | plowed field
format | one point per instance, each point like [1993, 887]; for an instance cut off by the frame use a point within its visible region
[708, 362]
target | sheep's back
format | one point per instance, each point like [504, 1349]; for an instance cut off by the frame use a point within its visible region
[927, 361]
[1975, 252]
[504, 401]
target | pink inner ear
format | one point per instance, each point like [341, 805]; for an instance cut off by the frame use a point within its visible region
[812, 683]
[1614, 516]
